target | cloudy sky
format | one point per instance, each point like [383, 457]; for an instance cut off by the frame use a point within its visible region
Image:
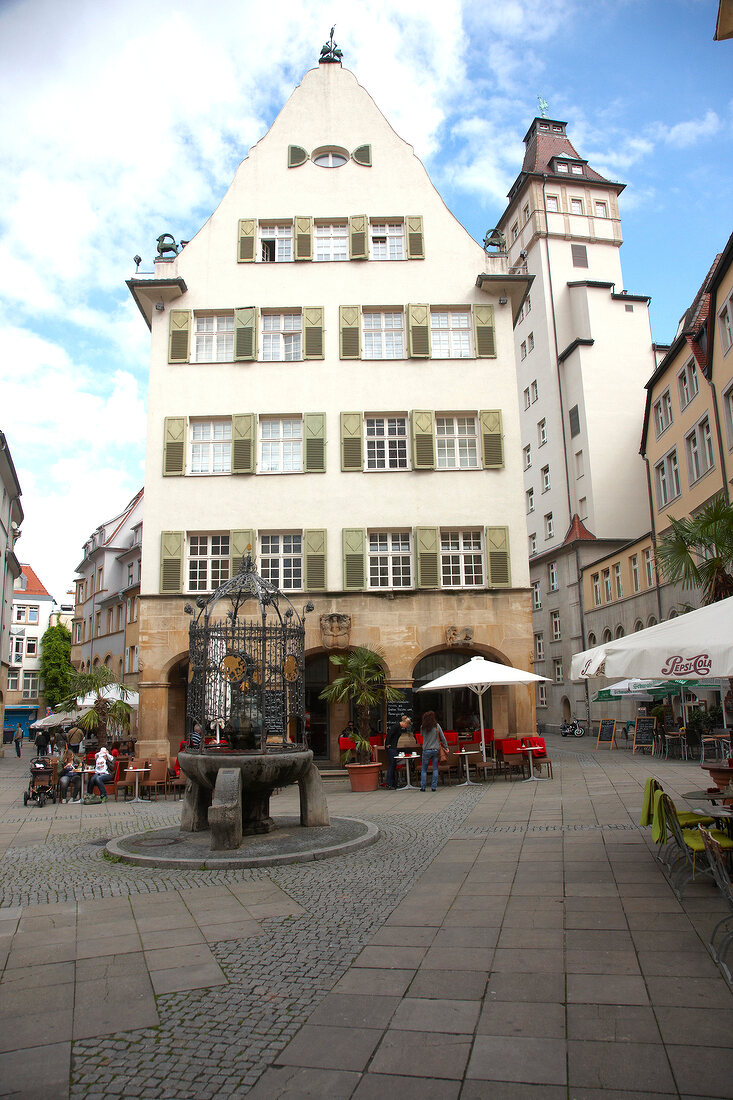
[121, 120]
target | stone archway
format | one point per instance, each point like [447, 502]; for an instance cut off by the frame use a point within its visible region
[456, 709]
[177, 676]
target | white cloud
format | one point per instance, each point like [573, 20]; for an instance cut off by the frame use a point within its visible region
[684, 134]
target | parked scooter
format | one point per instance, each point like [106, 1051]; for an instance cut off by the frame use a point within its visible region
[573, 728]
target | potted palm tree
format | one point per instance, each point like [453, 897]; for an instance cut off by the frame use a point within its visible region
[362, 680]
[106, 698]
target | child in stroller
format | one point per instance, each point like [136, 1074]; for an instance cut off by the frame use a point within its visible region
[42, 785]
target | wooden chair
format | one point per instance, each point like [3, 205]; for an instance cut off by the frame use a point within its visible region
[448, 766]
[513, 762]
[155, 779]
[488, 767]
[175, 782]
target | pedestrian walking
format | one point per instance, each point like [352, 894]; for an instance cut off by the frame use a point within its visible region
[432, 734]
[18, 739]
[391, 745]
[41, 743]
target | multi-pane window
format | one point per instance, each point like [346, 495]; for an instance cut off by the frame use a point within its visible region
[390, 560]
[557, 670]
[523, 350]
[461, 559]
[16, 651]
[30, 685]
[545, 479]
[78, 632]
[688, 383]
[530, 500]
[601, 209]
[525, 213]
[649, 567]
[617, 581]
[725, 324]
[662, 413]
[276, 243]
[555, 626]
[526, 398]
[607, 585]
[541, 695]
[208, 562]
[635, 583]
[536, 596]
[667, 474]
[553, 204]
[213, 338]
[533, 391]
[699, 445]
[552, 576]
[549, 526]
[528, 309]
[331, 242]
[596, 581]
[211, 450]
[542, 432]
[728, 414]
[384, 335]
[457, 442]
[281, 560]
[13, 679]
[515, 231]
[527, 452]
[281, 445]
[450, 333]
[539, 647]
[530, 342]
[576, 206]
[387, 240]
[533, 544]
[386, 443]
[281, 337]
[32, 615]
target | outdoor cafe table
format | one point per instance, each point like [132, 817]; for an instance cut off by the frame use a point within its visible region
[407, 757]
[721, 814]
[137, 772]
[465, 753]
[532, 777]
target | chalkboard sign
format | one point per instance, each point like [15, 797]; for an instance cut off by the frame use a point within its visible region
[644, 733]
[275, 713]
[607, 733]
[396, 708]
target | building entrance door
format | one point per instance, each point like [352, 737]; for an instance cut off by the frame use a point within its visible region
[317, 710]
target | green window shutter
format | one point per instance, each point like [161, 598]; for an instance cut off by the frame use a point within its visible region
[492, 439]
[359, 237]
[171, 560]
[304, 238]
[179, 335]
[354, 547]
[418, 328]
[243, 443]
[484, 333]
[497, 550]
[422, 425]
[351, 441]
[315, 560]
[427, 546]
[245, 334]
[349, 334]
[174, 446]
[313, 328]
[314, 430]
[296, 156]
[247, 240]
[363, 155]
[238, 543]
[415, 238]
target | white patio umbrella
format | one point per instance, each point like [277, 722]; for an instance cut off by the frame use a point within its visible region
[479, 675]
[112, 694]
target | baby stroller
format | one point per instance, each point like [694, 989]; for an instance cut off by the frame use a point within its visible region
[42, 783]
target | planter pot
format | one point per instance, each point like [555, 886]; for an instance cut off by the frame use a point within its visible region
[363, 777]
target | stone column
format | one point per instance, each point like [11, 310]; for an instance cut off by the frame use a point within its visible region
[153, 719]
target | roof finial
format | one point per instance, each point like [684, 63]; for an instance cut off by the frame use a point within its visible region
[543, 106]
[330, 53]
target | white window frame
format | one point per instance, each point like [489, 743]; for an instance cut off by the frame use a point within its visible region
[213, 337]
[552, 584]
[663, 413]
[383, 334]
[596, 583]
[527, 311]
[576, 206]
[450, 333]
[553, 204]
[386, 442]
[282, 336]
[555, 626]
[31, 647]
[667, 479]
[529, 497]
[649, 567]
[456, 442]
[20, 611]
[728, 415]
[280, 445]
[534, 392]
[635, 578]
[387, 240]
[16, 649]
[688, 383]
[725, 325]
[617, 581]
[600, 209]
[530, 342]
[330, 242]
[542, 432]
[525, 212]
[13, 679]
[557, 674]
[700, 450]
[583, 507]
[527, 453]
[526, 398]
[523, 350]
[532, 543]
[542, 695]
[462, 562]
[209, 450]
[207, 561]
[276, 243]
[281, 559]
[536, 595]
[389, 560]
[549, 526]
[607, 593]
[539, 646]
[545, 472]
[30, 685]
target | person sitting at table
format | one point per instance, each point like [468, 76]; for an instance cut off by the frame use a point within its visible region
[103, 762]
[70, 776]
[431, 735]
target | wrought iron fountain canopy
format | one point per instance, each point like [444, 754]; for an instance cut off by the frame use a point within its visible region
[246, 679]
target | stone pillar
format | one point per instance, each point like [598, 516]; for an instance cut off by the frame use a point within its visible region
[313, 805]
[225, 811]
[153, 720]
[195, 811]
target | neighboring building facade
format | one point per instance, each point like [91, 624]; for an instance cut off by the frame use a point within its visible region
[11, 517]
[31, 612]
[583, 349]
[720, 358]
[305, 401]
[104, 630]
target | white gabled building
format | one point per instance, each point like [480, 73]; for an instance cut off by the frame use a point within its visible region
[332, 383]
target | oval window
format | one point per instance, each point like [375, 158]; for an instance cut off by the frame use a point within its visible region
[330, 157]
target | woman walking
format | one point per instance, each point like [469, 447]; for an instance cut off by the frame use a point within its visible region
[432, 735]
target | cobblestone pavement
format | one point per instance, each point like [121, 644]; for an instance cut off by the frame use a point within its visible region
[218, 1040]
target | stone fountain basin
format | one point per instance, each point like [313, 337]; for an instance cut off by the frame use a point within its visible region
[261, 772]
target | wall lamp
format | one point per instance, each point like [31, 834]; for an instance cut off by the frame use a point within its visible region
[160, 306]
[502, 301]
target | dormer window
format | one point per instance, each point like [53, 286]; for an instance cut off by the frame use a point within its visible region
[561, 166]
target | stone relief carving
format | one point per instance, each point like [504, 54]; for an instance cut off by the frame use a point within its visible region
[454, 636]
[335, 631]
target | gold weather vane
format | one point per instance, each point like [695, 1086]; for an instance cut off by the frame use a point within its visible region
[543, 106]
